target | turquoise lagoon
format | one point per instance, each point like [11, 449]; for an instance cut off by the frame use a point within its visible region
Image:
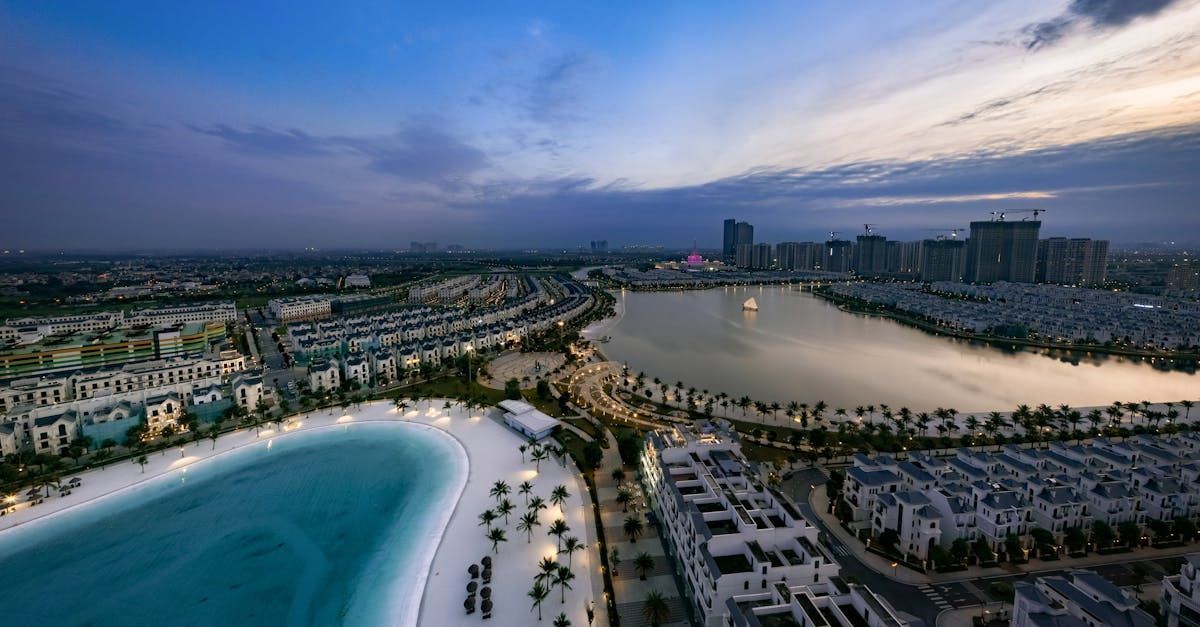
[322, 527]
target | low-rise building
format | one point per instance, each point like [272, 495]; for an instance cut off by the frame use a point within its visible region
[827, 604]
[1079, 597]
[1181, 594]
[300, 308]
[323, 374]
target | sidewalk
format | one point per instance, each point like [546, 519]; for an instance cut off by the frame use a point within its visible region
[883, 566]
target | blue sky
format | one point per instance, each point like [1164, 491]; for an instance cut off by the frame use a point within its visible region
[369, 124]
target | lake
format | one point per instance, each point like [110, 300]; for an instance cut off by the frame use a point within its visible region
[799, 347]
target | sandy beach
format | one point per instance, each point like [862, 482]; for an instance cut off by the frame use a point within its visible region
[452, 543]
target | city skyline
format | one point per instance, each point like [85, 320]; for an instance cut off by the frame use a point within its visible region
[547, 126]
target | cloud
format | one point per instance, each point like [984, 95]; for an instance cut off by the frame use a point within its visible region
[555, 88]
[1095, 13]
[420, 151]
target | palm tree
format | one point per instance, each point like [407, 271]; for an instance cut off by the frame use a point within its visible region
[562, 579]
[538, 593]
[655, 608]
[1187, 408]
[643, 564]
[525, 489]
[496, 536]
[141, 461]
[536, 504]
[633, 527]
[570, 546]
[559, 496]
[213, 434]
[528, 521]
[546, 569]
[522, 448]
[504, 509]
[558, 528]
[539, 455]
[562, 621]
[624, 497]
[499, 490]
[487, 518]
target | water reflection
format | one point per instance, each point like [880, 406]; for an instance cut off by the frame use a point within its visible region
[798, 347]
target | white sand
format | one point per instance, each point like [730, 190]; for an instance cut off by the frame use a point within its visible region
[492, 451]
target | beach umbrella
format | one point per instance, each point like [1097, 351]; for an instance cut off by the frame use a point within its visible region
[473, 570]
[486, 606]
[471, 586]
[486, 592]
[469, 605]
[487, 561]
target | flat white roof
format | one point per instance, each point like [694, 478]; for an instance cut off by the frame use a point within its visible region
[527, 416]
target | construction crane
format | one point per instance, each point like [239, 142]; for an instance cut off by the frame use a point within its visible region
[833, 235]
[998, 216]
[867, 228]
[952, 231]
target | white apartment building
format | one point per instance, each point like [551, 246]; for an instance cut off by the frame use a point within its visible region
[155, 373]
[828, 604]
[300, 308]
[183, 314]
[1181, 594]
[729, 533]
[323, 374]
[1081, 595]
[357, 369]
[248, 390]
[15, 328]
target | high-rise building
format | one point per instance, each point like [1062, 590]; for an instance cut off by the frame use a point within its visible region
[760, 256]
[1002, 251]
[599, 246]
[729, 244]
[744, 255]
[1075, 261]
[798, 255]
[1184, 276]
[904, 257]
[943, 260]
[744, 234]
[837, 255]
[870, 254]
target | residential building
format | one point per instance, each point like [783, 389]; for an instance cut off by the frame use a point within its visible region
[248, 390]
[729, 533]
[1079, 597]
[870, 255]
[729, 239]
[183, 314]
[760, 257]
[357, 280]
[1075, 261]
[834, 604]
[943, 260]
[837, 257]
[323, 374]
[91, 350]
[1181, 594]
[300, 308]
[1002, 251]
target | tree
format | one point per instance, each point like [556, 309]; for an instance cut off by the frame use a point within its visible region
[512, 390]
[643, 564]
[536, 504]
[1075, 539]
[889, 539]
[543, 389]
[487, 518]
[959, 549]
[539, 455]
[624, 497]
[559, 496]
[546, 569]
[522, 448]
[633, 527]
[562, 621]
[496, 536]
[213, 434]
[1130, 533]
[499, 490]
[593, 455]
[538, 593]
[618, 475]
[570, 546]
[504, 509]
[528, 521]
[1185, 528]
[558, 529]
[1012, 546]
[141, 461]
[562, 579]
[655, 608]
[1042, 539]
[525, 489]
[614, 558]
[1102, 534]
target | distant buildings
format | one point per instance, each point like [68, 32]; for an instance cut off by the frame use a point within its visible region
[760, 257]
[357, 280]
[799, 256]
[1075, 261]
[736, 235]
[599, 246]
[300, 308]
[870, 255]
[943, 260]
[837, 256]
[1002, 251]
[1078, 597]
[422, 248]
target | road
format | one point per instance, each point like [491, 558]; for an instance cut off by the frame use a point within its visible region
[275, 371]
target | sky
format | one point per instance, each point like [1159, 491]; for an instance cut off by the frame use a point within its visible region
[136, 125]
